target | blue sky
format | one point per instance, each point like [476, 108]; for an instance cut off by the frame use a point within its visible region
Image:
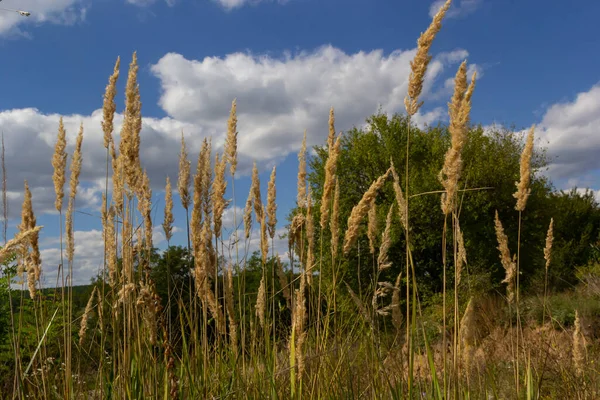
[286, 63]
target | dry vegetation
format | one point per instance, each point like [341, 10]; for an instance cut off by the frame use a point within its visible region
[329, 342]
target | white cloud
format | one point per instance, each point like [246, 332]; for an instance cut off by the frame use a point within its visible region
[60, 12]
[87, 262]
[584, 191]
[570, 131]
[278, 98]
[457, 9]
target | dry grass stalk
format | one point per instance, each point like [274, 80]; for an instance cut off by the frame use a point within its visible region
[149, 303]
[298, 325]
[295, 234]
[549, 240]
[372, 226]
[383, 260]
[123, 296]
[523, 189]
[383, 289]
[334, 225]
[467, 334]
[310, 239]
[109, 106]
[196, 222]
[361, 306]
[248, 215]
[127, 251]
[168, 220]
[85, 316]
[264, 242]
[183, 180]
[301, 194]
[459, 110]
[129, 144]
[204, 263]
[578, 346]
[59, 163]
[330, 170]
[461, 258]
[229, 304]
[272, 205]
[256, 196]
[507, 262]
[73, 183]
[419, 64]
[331, 136]
[218, 192]
[21, 239]
[231, 139]
[396, 313]
[145, 208]
[360, 210]
[31, 254]
[399, 196]
[261, 303]
[207, 181]
[283, 282]
[118, 184]
[111, 251]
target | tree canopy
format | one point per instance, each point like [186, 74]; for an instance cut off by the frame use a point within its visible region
[490, 169]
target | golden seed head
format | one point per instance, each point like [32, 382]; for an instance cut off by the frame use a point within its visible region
[383, 261]
[272, 205]
[549, 240]
[399, 196]
[372, 226]
[459, 109]
[330, 172]
[507, 262]
[419, 64]
[248, 214]
[301, 197]
[334, 225]
[523, 189]
[59, 163]
[109, 107]
[218, 191]
[578, 346]
[231, 139]
[183, 181]
[168, 221]
[360, 210]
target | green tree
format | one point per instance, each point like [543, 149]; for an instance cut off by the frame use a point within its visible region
[490, 165]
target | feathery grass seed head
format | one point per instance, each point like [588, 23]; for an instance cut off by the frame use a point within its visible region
[59, 163]
[419, 64]
[523, 189]
[109, 106]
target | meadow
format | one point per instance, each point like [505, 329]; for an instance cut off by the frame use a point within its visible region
[352, 314]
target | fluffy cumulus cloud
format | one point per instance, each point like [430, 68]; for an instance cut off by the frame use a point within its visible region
[457, 9]
[279, 98]
[570, 131]
[63, 12]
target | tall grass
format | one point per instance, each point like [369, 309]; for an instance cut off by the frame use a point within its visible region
[325, 341]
